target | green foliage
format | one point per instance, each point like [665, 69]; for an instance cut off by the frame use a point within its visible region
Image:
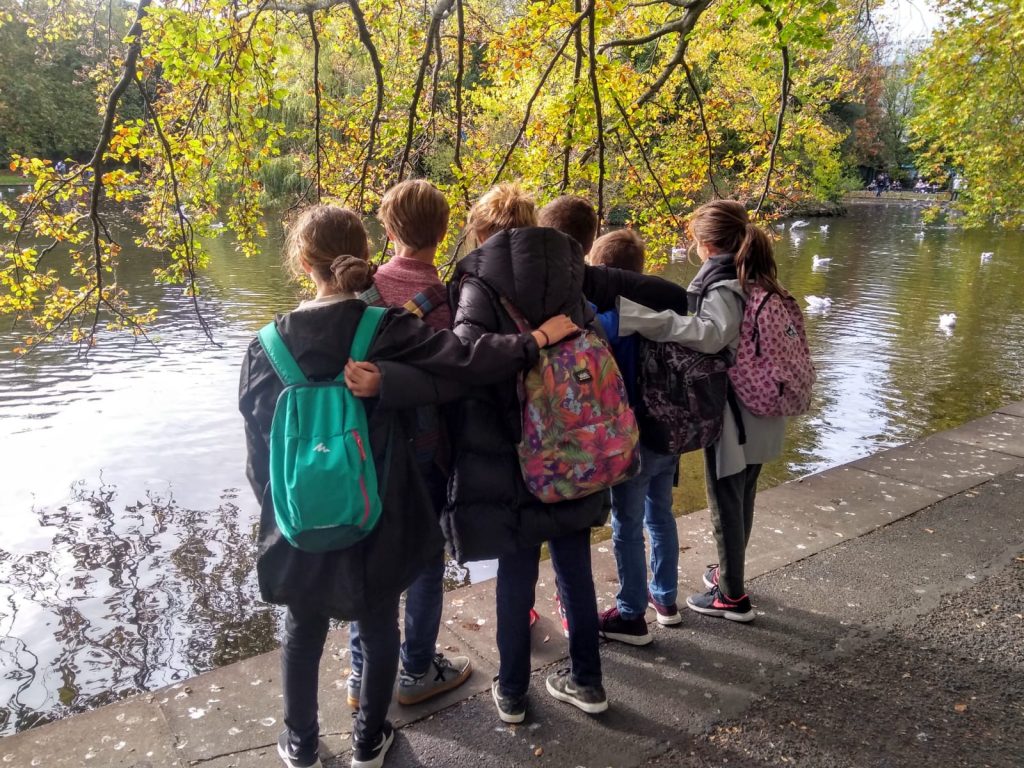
[969, 112]
[229, 111]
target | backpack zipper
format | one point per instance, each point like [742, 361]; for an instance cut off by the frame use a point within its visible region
[362, 479]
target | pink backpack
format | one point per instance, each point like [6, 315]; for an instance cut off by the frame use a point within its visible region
[579, 433]
[773, 374]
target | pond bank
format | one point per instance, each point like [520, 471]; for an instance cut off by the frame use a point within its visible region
[231, 716]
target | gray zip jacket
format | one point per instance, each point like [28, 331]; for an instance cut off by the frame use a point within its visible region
[714, 328]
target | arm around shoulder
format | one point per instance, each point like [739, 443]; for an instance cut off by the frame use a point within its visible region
[603, 285]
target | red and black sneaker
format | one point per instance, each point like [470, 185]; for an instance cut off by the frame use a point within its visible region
[711, 576]
[612, 625]
[714, 603]
[668, 615]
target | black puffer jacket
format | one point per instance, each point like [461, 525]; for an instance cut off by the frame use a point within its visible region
[346, 582]
[490, 512]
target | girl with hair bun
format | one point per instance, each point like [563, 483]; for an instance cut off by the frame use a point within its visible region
[362, 582]
[736, 255]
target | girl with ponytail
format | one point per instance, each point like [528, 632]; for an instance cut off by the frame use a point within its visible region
[362, 582]
[736, 255]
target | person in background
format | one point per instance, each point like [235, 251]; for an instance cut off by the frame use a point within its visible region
[573, 216]
[725, 240]
[415, 218]
[644, 500]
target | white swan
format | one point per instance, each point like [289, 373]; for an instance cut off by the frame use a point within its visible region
[798, 224]
[986, 257]
[781, 227]
[817, 261]
[824, 228]
[919, 235]
[818, 302]
[947, 320]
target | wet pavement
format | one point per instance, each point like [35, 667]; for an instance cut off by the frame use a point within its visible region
[889, 632]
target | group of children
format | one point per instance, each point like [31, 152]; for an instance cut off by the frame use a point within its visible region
[452, 474]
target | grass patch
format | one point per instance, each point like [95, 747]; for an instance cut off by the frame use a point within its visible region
[10, 179]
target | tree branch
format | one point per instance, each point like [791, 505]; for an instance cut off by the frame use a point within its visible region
[185, 230]
[316, 100]
[592, 57]
[460, 71]
[779, 122]
[441, 8]
[536, 92]
[703, 122]
[646, 159]
[97, 162]
[378, 74]
[576, 73]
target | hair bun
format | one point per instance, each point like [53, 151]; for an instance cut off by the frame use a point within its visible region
[352, 273]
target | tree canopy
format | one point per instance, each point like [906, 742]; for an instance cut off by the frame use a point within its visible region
[969, 111]
[647, 107]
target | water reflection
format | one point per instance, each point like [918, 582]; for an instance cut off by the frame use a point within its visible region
[125, 598]
[142, 574]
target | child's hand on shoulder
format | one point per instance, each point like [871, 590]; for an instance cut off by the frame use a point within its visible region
[362, 378]
[554, 330]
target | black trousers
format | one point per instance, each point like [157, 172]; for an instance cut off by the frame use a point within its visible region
[731, 501]
[515, 593]
[305, 632]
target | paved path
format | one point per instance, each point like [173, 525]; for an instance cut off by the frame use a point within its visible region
[890, 632]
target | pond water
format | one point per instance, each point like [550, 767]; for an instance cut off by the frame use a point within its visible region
[126, 561]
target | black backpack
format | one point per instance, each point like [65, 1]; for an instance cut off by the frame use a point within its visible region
[683, 393]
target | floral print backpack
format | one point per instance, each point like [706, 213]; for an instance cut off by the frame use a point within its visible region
[773, 374]
[579, 433]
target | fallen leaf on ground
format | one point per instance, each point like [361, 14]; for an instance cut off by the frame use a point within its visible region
[960, 707]
[538, 751]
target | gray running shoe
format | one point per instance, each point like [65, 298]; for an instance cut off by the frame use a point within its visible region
[590, 698]
[443, 675]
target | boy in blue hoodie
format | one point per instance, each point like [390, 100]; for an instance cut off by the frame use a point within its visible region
[646, 499]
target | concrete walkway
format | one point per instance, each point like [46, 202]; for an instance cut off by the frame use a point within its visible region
[890, 632]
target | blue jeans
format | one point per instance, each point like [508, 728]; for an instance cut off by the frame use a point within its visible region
[424, 602]
[515, 592]
[646, 499]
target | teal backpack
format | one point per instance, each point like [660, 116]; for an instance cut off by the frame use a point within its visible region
[323, 481]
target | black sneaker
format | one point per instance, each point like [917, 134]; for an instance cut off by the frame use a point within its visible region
[590, 698]
[372, 755]
[711, 576]
[612, 626]
[295, 758]
[668, 614]
[510, 709]
[714, 603]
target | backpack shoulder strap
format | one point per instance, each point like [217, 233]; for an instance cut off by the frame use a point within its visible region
[365, 332]
[280, 357]
[426, 301]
